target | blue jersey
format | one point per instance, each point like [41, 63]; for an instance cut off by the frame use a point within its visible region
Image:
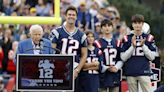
[69, 43]
[90, 78]
[93, 55]
[111, 54]
[138, 64]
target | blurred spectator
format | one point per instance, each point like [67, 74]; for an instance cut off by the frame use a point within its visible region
[32, 3]
[83, 17]
[11, 68]
[20, 10]
[13, 13]
[93, 12]
[51, 12]
[23, 37]
[47, 30]
[17, 3]
[6, 46]
[121, 31]
[1, 5]
[97, 30]
[7, 8]
[14, 33]
[26, 10]
[103, 13]
[2, 13]
[114, 10]
[102, 3]
[33, 11]
[2, 85]
[1, 58]
[43, 8]
[114, 16]
[1, 34]
[21, 29]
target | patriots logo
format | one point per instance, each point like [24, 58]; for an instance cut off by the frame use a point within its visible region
[70, 37]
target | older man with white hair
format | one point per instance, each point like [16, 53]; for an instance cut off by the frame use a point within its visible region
[35, 44]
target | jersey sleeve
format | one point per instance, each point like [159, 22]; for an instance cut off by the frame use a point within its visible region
[84, 41]
[125, 44]
[100, 56]
[126, 49]
[149, 48]
[119, 62]
[54, 36]
[150, 42]
[97, 44]
[100, 59]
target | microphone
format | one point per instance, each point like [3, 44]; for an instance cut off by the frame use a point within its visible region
[44, 45]
[34, 49]
[40, 47]
[55, 49]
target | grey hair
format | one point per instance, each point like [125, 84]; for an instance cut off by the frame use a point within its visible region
[35, 27]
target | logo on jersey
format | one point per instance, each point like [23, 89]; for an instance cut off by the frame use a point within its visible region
[45, 69]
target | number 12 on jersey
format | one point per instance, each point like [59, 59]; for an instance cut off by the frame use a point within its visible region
[110, 55]
[90, 60]
[69, 46]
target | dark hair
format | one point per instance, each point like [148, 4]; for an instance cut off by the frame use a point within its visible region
[137, 18]
[106, 22]
[71, 8]
[89, 32]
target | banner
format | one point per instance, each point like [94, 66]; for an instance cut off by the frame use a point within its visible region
[45, 73]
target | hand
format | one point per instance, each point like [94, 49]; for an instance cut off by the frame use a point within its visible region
[142, 41]
[76, 72]
[11, 54]
[96, 63]
[6, 40]
[112, 69]
[134, 41]
[80, 25]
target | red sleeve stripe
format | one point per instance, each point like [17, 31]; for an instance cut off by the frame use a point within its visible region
[150, 38]
[100, 52]
[97, 44]
[118, 43]
[125, 38]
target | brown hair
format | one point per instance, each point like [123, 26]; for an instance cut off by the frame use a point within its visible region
[106, 22]
[71, 8]
[137, 18]
[89, 32]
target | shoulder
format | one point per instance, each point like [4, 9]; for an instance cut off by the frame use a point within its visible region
[59, 28]
[25, 41]
[55, 32]
[118, 42]
[149, 37]
[46, 40]
[126, 38]
[80, 33]
[98, 43]
[98, 51]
